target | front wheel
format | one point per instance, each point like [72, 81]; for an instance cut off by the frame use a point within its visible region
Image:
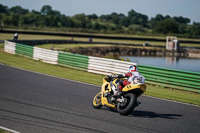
[127, 106]
[97, 101]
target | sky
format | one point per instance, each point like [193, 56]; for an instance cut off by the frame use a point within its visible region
[184, 8]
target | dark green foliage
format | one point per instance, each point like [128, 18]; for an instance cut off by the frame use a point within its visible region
[19, 10]
[133, 23]
[166, 26]
[3, 9]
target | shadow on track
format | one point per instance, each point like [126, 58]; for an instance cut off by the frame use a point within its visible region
[149, 114]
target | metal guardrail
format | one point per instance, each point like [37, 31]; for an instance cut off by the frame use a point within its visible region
[183, 80]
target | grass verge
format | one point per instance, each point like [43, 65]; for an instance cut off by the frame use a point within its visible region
[4, 131]
[59, 71]
[6, 36]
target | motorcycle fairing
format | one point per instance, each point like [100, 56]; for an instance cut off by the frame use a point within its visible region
[104, 99]
[130, 87]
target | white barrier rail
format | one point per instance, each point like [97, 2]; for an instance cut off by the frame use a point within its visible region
[45, 55]
[107, 66]
[173, 78]
[10, 47]
[95, 64]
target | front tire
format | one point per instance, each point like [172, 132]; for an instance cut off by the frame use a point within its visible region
[97, 101]
[127, 108]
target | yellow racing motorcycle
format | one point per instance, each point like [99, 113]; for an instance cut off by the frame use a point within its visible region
[124, 104]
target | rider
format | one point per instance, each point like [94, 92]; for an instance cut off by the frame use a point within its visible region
[15, 37]
[133, 77]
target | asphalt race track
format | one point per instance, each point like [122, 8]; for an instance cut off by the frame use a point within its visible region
[36, 103]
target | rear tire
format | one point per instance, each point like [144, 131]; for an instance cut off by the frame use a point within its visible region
[129, 106]
[97, 101]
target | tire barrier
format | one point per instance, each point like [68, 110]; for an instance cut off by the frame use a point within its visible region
[183, 80]
[96, 36]
[41, 42]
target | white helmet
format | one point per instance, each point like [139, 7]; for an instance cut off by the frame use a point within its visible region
[133, 68]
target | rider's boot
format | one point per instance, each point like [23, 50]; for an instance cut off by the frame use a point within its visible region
[118, 93]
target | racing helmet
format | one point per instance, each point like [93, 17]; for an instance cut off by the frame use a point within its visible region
[133, 68]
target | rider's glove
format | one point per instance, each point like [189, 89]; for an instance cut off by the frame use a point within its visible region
[110, 76]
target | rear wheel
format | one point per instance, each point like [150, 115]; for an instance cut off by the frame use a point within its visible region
[97, 101]
[127, 106]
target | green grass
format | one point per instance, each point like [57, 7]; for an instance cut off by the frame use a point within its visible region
[59, 71]
[66, 47]
[3, 131]
[4, 36]
[37, 66]
[56, 30]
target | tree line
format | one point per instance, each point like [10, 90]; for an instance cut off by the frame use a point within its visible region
[133, 23]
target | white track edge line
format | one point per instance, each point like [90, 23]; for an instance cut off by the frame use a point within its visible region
[10, 130]
[51, 75]
[97, 85]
